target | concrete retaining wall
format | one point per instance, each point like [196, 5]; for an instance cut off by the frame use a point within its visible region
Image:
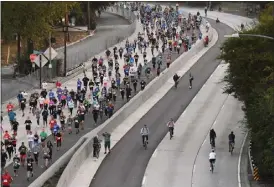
[81, 144]
[86, 149]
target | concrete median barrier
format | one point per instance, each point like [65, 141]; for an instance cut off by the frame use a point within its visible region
[86, 149]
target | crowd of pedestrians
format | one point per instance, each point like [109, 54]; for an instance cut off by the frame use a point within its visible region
[119, 72]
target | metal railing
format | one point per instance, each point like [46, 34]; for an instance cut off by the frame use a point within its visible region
[86, 49]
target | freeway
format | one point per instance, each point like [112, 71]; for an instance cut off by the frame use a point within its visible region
[70, 140]
[128, 156]
[102, 34]
[186, 155]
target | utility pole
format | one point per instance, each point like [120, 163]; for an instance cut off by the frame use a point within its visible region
[89, 16]
[65, 43]
[50, 65]
[40, 64]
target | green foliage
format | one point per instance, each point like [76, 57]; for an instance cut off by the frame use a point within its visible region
[32, 20]
[250, 77]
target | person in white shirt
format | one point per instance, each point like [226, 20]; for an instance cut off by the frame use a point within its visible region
[41, 102]
[144, 132]
[105, 81]
[170, 126]
[44, 85]
[30, 140]
[212, 157]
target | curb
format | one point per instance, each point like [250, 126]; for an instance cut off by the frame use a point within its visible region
[71, 74]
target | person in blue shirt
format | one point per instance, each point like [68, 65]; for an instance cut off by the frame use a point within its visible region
[56, 128]
[12, 116]
[79, 84]
[20, 97]
[51, 94]
[59, 93]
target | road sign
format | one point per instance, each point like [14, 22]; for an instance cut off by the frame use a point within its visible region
[32, 57]
[53, 53]
[44, 60]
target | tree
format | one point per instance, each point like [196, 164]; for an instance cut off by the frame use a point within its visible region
[250, 77]
[32, 20]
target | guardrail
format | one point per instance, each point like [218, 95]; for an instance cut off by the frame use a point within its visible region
[108, 126]
[253, 167]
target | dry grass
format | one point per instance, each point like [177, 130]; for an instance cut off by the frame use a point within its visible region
[12, 47]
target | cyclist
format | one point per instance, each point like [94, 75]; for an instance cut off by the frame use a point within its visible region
[212, 136]
[176, 78]
[170, 126]
[23, 151]
[29, 166]
[231, 140]
[144, 132]
[212, 158]
[191, 78]
[16, 164]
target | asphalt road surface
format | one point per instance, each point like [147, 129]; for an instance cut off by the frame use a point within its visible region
[70, 140]
[10, 86]
[128, 157]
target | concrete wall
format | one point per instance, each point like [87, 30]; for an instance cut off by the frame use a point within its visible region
[86, 149]
[82, 144]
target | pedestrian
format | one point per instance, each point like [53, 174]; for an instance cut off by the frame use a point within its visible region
[96, 146]
[122, 91]
[62, 119]
[45, 115]
[30, 140]
[106, 136]
[36, 151]
[28, 125]
[43, 136]
[4, 158]
[76, 123]
[37, 114]
[23, 106]
[70, 106]
[69, 124]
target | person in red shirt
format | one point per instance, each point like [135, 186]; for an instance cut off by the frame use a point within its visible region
[6, 179]
[58, 84]
[52, 122]
[206, 41]
[10, 107]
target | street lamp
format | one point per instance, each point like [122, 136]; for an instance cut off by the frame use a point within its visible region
[238, 35]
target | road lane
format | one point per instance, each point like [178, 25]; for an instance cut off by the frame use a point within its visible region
[128, 155]
[225, 172]
[190, 131]
[101, 36]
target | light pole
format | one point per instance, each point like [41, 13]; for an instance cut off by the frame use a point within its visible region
[238, 35]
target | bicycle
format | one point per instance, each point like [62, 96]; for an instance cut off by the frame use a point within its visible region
[212, 143]
[212, 166]
[231, 147]
[170, 132]
[145, 143]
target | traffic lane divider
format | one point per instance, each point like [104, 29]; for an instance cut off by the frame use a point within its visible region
[86, 149]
